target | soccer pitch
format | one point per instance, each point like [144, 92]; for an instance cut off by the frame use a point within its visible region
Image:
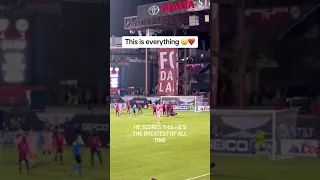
[250, 168]
[179, 158]
[50, 170]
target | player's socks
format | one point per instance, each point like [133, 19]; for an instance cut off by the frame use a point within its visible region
[61, 158]
[80, 170]
[100, 160]
[74, 168]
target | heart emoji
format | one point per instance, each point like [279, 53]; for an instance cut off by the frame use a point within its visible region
[191, 40]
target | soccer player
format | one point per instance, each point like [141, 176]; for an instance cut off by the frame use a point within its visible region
[32, 146]
[18, 137]
[59, 142]
[128, 108]
[164, 106]
[23, 152]
[117, 110]
[139, 108]
[95, 143]
[158, 113]
[77, 156]
[48, 139]
[191, 106]
[154, 109]
[168, 109]
[260, 142]
[134, 111]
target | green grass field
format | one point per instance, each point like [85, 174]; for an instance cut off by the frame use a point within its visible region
[49, 170]
[249, 168]
[179, 158]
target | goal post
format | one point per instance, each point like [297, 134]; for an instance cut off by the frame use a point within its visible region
[184, 103]
[233, 131]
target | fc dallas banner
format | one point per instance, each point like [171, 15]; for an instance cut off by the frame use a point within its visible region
[168, 71]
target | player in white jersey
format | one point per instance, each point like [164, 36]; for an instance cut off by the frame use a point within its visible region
[32, 141]
[47, 142]
[158, 113]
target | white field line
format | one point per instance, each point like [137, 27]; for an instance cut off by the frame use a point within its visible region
[197, 177]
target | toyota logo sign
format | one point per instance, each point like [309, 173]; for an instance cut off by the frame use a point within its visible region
[153, 10]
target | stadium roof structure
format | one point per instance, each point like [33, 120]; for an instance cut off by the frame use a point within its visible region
[133, 23]
[175, 18]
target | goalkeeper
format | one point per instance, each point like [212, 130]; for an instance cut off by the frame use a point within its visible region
[191, 106]
[260, 144]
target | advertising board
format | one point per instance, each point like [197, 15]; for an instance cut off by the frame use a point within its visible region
[300, 147]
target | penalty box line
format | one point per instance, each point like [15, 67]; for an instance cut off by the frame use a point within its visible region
[197, 177]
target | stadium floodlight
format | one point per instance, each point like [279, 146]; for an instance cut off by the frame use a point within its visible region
[13, 57]
[13, 67]
[4, 23]
[13, 44]
[116, 69]
[14, 78]
[22, 25]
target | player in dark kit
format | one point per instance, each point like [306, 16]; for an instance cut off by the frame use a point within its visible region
[139, 108]
[154, 109]
[23, 152]
[95, 143]
[59, 142]
[164, 111]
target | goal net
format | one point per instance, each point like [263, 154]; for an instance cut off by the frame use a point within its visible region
[185, 103]
[233, 131]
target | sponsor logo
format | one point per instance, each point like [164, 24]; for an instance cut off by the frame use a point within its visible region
[300, 147]
[176, 6]
[153, 10]
[96, 126]
[268, 144]
[238, 145]
[203, 108]
[176, 107]
[309, 148]
[294, 150]
[221, 145]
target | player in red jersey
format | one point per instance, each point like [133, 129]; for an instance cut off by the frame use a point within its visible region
[139, 108]
[117, 110]
[23, 152]
[18, 137]
[168, 109]
[95, 144]
[128, 108]
[164, 111]
[60, 141]
[154, 112]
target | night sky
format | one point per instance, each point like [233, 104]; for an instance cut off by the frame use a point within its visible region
[123, 8]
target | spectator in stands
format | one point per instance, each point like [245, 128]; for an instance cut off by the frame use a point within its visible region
[73, 96]
[197, 93]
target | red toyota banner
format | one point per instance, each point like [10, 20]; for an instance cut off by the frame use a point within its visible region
[168, 71]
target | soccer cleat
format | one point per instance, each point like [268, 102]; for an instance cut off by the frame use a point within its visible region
[212, 165]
